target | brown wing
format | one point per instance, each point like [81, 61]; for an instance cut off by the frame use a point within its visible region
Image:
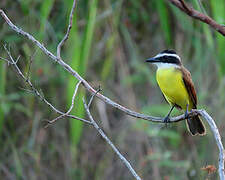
[190, 86]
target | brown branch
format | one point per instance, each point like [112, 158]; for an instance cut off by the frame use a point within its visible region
[68, 30]
[198, 15]
[187, 9]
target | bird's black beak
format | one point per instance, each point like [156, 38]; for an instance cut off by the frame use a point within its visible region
[152, 60]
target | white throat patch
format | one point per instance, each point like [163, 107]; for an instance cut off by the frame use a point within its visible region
[166, 65]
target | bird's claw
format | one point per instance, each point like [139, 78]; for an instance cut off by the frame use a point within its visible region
[186, 115]
[166, 119]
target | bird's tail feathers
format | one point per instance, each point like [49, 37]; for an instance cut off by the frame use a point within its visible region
[196, 126]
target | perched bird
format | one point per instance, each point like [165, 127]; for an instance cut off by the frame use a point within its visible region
[177, 87]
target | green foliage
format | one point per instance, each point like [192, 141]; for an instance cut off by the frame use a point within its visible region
[45, 10]
[108, 63]
[164, 20]
[24, 4]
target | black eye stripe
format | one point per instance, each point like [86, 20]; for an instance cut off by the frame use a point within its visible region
[169, 59]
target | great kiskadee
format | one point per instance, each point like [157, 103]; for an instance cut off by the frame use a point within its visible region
[177, 87]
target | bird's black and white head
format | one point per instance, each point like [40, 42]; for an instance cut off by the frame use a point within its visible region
[166, 58]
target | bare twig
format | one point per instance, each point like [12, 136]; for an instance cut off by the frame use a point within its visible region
[198, 15]
[68, 31]
[17, 59]
[34, 90]
[187, 9]
[93, 95]
[6, 60]
[70, 109]
[108, 141]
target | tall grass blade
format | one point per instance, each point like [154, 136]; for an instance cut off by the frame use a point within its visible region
[164, 20]
[46, 7]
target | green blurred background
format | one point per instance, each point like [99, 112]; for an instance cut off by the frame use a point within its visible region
[108, 45]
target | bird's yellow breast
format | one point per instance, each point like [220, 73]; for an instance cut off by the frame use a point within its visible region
[172, 86]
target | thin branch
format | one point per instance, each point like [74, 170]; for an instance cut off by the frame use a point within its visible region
[70, 109]
[17, 59]
[68, 30]
[93, 95]
[109, 142]
[73, 98]
[27, 35]
[34, 90]
[187, 9]
[6, 60]
[198, 15]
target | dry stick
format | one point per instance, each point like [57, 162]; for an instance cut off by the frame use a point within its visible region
[70, 109]
[108, 140]
[67, 32]
[112, 103]
[198, 15]
[185, 6]
[36, 92]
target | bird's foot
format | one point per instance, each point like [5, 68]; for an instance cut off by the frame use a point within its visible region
[166, 119]
[186, 114]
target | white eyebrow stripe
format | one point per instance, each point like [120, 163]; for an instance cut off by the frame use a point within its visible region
[166, 54]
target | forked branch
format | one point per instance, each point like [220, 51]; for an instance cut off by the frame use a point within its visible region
[62, 42]
[70, 109]
[13, 62]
